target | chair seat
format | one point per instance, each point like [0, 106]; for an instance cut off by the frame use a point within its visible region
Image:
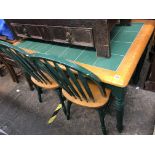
[100, 100]
[51, 85]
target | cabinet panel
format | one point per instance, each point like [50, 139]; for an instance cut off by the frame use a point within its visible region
[58, 34]
[19, 30]
[82, 36]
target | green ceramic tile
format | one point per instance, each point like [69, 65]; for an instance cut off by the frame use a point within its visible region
[30, 44]
[43, 48]
[113, 33]
[57, 50]
[88, 57]
[111, 63]
[37, 45]
[124, 36]
[21, 45]
[72, 53]
[117, 28]
[34, 46]
[25, 44]
[119, 48]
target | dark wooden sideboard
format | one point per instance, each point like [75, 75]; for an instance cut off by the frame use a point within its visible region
[81, 32]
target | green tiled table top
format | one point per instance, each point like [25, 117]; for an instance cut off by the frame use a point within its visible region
[121, 39]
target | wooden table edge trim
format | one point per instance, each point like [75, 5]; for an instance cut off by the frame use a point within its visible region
[135, 52]
[152, 22]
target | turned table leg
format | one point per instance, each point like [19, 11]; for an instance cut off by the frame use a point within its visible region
[119, 105]
[119, 95]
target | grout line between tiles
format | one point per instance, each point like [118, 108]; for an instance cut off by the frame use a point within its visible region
[79, 54]
[94, 62]
[117, 54]
[129, 31]
[49, 49]
[63, 52]
[115, 35]
[122, 42]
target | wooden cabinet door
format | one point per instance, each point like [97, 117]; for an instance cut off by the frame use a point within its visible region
[81, 36]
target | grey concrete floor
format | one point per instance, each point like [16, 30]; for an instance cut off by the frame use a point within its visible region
[22, 114]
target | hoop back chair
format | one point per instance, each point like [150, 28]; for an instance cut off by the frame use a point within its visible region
[79, 85]
[30, 71]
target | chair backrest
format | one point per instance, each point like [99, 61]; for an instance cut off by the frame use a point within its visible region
[70, 76]
[7, 60]
[22, 58]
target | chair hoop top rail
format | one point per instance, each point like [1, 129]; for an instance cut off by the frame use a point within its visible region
[68, 64]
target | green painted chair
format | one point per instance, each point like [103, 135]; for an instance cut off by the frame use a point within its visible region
[79, 85]
[33, 76]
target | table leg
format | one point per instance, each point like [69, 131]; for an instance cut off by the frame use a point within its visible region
[119, 94]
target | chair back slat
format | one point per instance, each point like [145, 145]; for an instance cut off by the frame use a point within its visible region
[21, 57]
[47, 69]
[74, 79]
[86, 86]
[41, 74]
[66, 79]
[70, 76]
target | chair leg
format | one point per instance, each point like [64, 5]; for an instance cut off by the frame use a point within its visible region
[59, 92]
[30, 83]
[109, 104]
[101, 112]
[39, 91]
[39, 94]
[12, 73]
[68, 109]
[1, 73]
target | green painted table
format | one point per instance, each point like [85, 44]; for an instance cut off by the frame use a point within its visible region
[127, 46]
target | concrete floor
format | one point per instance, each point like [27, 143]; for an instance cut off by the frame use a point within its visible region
[22, 114]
